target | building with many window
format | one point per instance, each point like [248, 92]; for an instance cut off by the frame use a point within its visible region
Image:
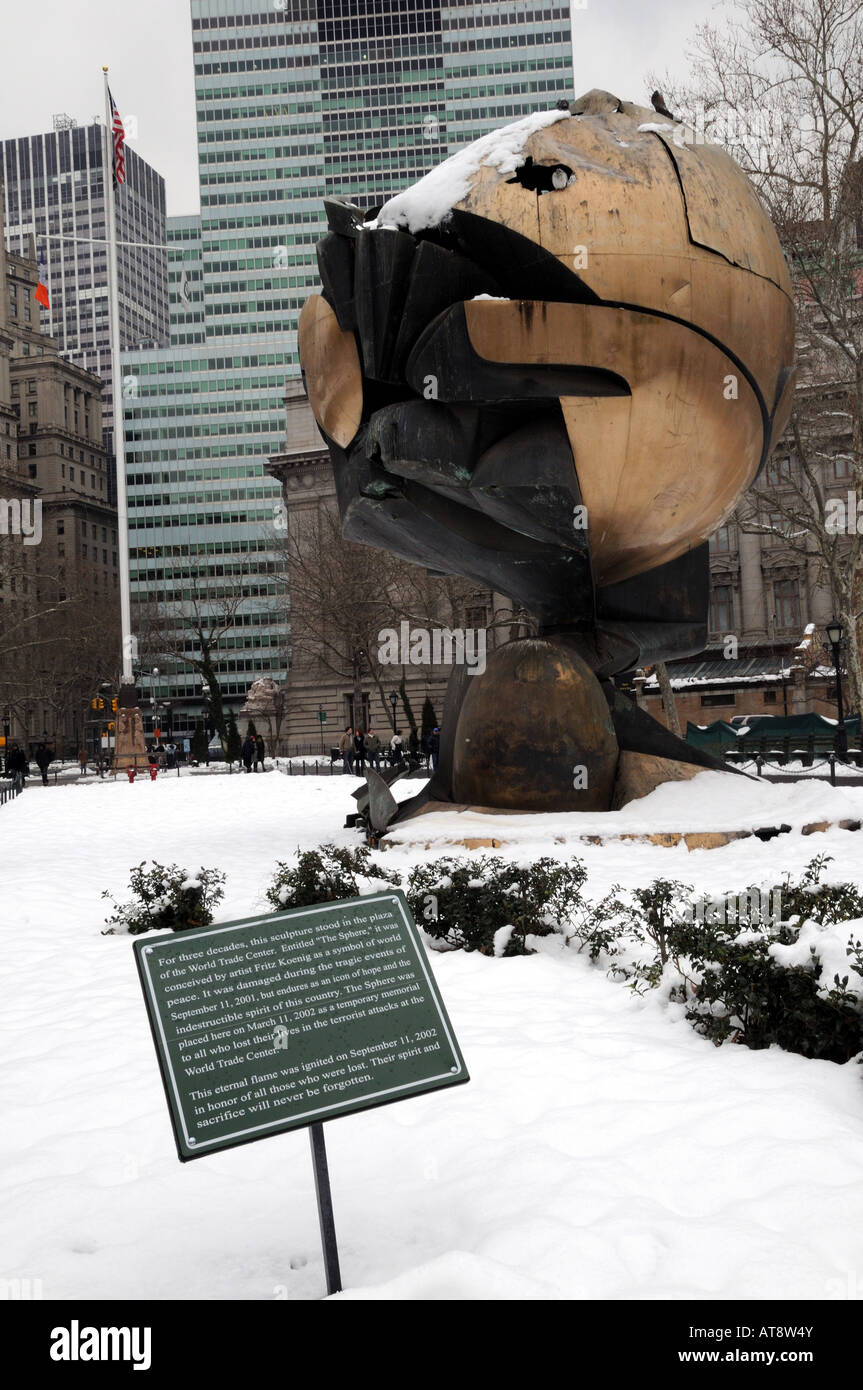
[54, 197]
[296, 101]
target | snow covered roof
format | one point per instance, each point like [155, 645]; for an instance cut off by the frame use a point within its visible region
[740, 670]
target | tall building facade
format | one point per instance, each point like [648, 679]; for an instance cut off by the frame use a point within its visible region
[296, 101]
[58, 527]
[54, 198]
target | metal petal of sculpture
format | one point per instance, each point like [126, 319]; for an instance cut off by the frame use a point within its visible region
[552, 366]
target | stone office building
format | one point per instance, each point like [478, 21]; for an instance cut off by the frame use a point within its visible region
[59, 592]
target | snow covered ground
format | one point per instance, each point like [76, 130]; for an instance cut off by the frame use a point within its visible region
[602, 1149]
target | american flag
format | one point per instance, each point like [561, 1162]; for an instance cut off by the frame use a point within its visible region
[118, 135]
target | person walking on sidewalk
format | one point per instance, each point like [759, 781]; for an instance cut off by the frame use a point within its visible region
[43, 759]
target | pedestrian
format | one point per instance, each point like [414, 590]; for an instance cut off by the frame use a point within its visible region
[414, 745]
[346, 749]
[248, 752]
[42, 758]
[359, 752]
[152, 756]
[260, 751]
[171, 755]
[18, 764]
[373, 749]
[396, 746]
[434, 748]
[82, 761]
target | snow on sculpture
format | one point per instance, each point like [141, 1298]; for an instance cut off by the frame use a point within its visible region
[552, 366]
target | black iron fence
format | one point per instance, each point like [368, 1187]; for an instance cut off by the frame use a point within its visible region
[10, 788]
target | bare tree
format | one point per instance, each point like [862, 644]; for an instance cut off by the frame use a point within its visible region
[669, 704]
[781, 87]
[192, 631]
[56, 646]
[343, 595]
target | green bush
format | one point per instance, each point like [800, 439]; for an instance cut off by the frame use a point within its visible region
[492, 906]
[166, 898]
[732, 961]
[825, 903]
[325, 875]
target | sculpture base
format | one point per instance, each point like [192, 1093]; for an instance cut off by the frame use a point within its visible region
[534, 733]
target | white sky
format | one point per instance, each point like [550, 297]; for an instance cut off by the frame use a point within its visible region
[59, 50]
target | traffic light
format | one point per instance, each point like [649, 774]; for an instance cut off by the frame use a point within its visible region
[114, 704]
[111, 728]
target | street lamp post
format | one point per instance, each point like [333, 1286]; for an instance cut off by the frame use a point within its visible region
[834, 637]
[393, 702]
[6, 733]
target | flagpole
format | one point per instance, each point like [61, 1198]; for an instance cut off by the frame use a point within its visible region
[128, 676]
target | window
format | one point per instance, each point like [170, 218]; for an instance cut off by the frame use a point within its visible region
[722, 608]
[842, 467]
[721, 697]
[721, 541]
[31, 470]
[786, 596]
[770, 697]
[779, 471]
[32, 450]
[61, 527]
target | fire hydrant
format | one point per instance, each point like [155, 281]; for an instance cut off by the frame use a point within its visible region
[130, 773]
[154, 768]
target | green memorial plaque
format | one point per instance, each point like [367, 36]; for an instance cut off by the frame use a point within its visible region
[277, 1022]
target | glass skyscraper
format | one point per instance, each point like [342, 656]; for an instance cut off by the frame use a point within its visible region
[296, 101]
[53, 191]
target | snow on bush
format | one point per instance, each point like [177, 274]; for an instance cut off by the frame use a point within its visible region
[166, 898]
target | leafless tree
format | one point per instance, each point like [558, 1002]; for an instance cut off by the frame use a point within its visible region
[343, 595]
[781, 87]
[192, 631]
[57, 647]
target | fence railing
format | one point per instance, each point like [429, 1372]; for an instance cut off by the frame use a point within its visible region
[10, 788]
[810, 752]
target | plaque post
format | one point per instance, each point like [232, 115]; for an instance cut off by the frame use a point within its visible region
[325, 1208]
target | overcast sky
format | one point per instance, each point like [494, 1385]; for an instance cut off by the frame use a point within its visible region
[59, 49]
